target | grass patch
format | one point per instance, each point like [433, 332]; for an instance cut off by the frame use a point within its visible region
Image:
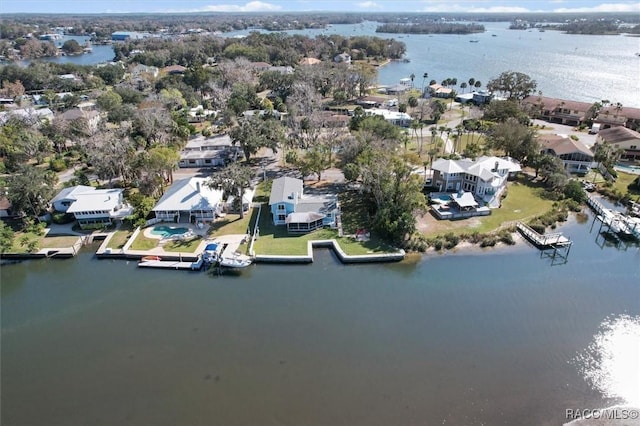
[188, 246]
[524, 201]
[143, 243]
[232, 224]
[623, 183]
[59, 241]
[29, 242]
[119, 239]
[275, 240]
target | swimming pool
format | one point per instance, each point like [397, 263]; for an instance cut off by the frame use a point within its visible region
[629, 169]
[168, 231]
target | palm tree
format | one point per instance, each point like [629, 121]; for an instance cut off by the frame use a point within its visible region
[472, 82]
[463, 86]
[412, 77]
[424, 77]
[477, 84]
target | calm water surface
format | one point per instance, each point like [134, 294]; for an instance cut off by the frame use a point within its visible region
[577, 67]
[491, 338]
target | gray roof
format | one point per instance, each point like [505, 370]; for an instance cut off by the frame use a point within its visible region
[282, 189]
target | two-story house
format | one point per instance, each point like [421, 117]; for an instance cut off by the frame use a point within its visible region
[571, 113]
[575, 155]
[300, 213]
[486, 177]
[92, 206]
[622, 138]
[208, 152]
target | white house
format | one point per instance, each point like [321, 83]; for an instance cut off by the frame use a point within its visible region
[91, 118]
[30, 115]
[300, 213]
[486, 178]
[394, 117]
[189, 199]
[92, 206]
[342, 57]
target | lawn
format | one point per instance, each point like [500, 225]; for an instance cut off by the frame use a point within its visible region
[523, 201]
[28, 242]
[143, 243]
[274, 240]
[231, 224]
[623, 182]
[189, 246]
[119, 239]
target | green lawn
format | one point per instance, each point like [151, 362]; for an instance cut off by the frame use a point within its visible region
[623, 182]
[274, 240]
[35, 242]
[189, 246]
[523, 201]
[143, 243]
[231, 224]
[119, 239]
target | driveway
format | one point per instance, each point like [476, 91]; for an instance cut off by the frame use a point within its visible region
[561, 129]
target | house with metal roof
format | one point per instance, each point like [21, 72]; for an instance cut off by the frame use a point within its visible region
[299, 212]
[486, 177]
[188, 200]
[92, 206]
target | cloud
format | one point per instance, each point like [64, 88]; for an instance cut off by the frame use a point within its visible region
[369, 5]
[442, 6]
[252, 6]
[604, 7]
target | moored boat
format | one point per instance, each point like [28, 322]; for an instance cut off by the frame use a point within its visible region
[235, 261]
[150, 258]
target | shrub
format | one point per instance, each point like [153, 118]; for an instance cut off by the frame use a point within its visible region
[62, 218]
[57, 164]
[539, 228]
[506, 237]
[450, 240]
[488, 241]
[437, 244]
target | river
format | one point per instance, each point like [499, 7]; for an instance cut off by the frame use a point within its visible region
[495, 337]
[584, 68]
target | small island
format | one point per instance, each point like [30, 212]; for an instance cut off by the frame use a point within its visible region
[430, 28]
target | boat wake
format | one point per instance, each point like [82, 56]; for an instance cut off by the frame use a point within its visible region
[611, 364]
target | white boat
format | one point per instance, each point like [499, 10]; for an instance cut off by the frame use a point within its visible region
[235, 261]
[211, 253]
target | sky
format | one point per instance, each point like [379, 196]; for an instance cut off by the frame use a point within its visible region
[177, 6]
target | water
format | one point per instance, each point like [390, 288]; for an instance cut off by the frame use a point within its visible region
[99, 54]
[500, 337]
[577, 67]
[168, 231]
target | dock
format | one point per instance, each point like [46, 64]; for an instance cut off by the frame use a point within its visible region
[543, 240]
[172, 264]
[616, 223]
[554, 246]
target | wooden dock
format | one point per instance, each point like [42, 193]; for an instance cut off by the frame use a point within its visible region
[172, 264]
[543, 241]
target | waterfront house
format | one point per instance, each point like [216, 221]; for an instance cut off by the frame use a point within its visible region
[299, 212]
[571, 113]
[486, 178]
[575, 155]
[439, 91]
[613, 116]
[188, 200]
[621, 138]
[208, 152]
[92, 206]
